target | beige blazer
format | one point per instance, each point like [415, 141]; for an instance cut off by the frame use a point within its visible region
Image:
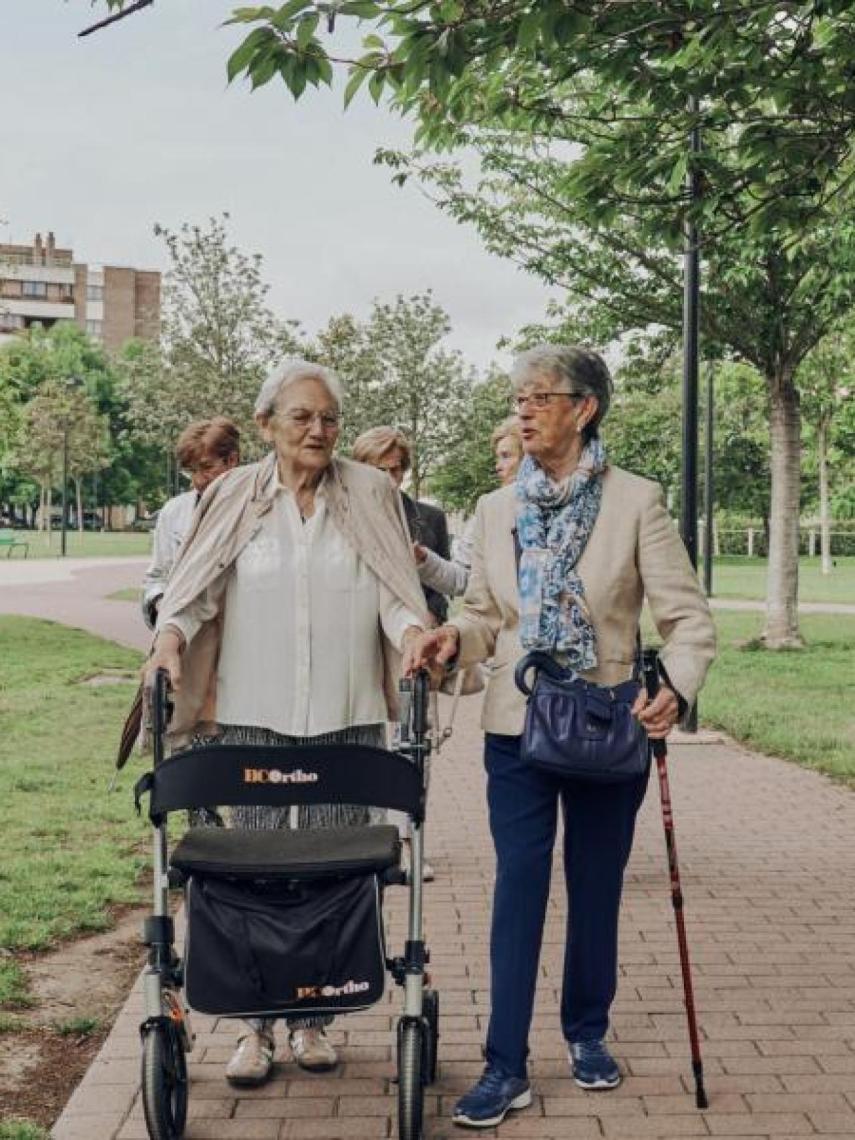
[363, 503]
[634, 550]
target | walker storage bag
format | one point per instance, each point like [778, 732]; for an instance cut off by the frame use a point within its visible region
[265, 947]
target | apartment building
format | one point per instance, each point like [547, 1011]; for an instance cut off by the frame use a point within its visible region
[42, 284]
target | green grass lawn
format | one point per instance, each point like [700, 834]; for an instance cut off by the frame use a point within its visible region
[69, 850]
[90, 544]
[741, 577]
[21, 1130]
[797, 704]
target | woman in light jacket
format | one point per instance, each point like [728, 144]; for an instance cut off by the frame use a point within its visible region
[592, 542]
[284, 618]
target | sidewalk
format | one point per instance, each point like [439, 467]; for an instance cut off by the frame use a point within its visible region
[768, 867]
[75, 592]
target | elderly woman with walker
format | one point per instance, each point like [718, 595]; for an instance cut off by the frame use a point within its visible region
[561, 563]
[283, 622]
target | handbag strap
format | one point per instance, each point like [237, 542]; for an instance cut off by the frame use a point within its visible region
[443, 734]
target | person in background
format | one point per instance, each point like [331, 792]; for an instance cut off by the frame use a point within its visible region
[451, 577]
[388, 449]
[205, 449]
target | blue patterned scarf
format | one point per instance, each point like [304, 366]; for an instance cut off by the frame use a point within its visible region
[554, 523]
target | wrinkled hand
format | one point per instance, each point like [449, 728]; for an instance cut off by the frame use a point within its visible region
[658, 716]
[419, 553]
[431, 650]
[166, 655]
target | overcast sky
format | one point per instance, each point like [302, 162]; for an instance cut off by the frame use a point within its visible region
[101, 137]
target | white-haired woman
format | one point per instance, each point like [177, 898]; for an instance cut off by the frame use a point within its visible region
[561, 563]
[284, 620]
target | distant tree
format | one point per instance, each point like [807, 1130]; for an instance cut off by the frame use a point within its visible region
[219, 338]
[827, 384]
[396, 371]
[56, 421]
[467, 470]
[33, 362]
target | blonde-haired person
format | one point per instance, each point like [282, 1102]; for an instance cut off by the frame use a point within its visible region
[450, 576]
[389, 450]
[284, 619]
[205, 449]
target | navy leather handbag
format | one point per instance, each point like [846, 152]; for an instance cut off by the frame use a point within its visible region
[577, 730]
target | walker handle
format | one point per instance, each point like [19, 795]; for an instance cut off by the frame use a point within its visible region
[161, 711]
[421, 695]
[405, 706]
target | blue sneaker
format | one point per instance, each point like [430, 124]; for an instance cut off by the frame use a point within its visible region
[593, 1065]
[489, 1102]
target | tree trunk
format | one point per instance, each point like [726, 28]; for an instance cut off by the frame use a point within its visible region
[79, 504]
[782, 581]
[49, 513]
[824, 511]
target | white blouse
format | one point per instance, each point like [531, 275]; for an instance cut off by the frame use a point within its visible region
[301, 647]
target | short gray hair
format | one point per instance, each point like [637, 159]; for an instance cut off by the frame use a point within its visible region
[571, 367]
[288, 373]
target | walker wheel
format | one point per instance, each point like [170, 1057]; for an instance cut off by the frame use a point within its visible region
[164, 1082]
[410, 1079]
[430, 1009]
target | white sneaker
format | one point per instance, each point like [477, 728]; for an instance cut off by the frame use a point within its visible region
[252, 1061]
[428, 873]
[312, 1050]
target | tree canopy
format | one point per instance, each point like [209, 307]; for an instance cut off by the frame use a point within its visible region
[771, 81]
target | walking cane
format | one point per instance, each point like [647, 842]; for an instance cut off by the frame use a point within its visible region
[650, 666]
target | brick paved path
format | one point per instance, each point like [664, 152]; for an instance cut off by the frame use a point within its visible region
[768, 864]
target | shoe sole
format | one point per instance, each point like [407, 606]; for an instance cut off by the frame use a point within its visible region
[318, 1067]
[522, 1101]
[249, 1082]
[597, 1086]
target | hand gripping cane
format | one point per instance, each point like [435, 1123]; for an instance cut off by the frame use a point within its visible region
[650, 666]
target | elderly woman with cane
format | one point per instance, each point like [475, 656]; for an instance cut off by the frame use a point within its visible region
[284, 619]
[561, 563]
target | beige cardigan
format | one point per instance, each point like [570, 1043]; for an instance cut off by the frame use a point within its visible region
[363, 504]
[634, 550]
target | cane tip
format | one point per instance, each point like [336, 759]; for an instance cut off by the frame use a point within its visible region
[701, 1099]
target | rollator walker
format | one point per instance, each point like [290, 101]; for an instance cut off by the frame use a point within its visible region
[284, 922]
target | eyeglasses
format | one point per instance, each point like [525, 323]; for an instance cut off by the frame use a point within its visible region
[302, 418]
[540, 400]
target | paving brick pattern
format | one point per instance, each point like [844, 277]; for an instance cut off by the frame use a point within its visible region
[767, 856]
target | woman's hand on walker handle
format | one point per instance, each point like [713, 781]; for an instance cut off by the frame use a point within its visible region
[658, 716]
[432, 650]
[166, 655]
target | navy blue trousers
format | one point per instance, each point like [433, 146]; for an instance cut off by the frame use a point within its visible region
[599, 822]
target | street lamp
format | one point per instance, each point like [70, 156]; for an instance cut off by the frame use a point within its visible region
[691, 338]
[72, 383]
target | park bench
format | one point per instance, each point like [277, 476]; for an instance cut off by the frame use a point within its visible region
[9, 540]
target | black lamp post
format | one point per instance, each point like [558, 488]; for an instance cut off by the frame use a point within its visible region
[691, 338]
[709, 484]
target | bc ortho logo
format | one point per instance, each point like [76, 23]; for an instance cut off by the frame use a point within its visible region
[277, 776]
[350, 987]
